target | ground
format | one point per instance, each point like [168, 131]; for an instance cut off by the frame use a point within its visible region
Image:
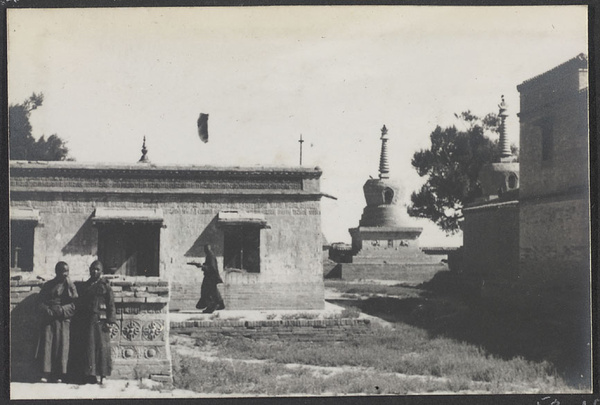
[424, 342]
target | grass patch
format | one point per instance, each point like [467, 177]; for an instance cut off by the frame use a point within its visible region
[504, 334]
[268, 378]
[406, 350]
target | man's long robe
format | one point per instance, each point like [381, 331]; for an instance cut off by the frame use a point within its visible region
[56, 305]
[95, 309]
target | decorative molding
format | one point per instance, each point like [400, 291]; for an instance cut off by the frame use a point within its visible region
[153, 309]
[130, 352]
[114, 332]
[153, 352]
[158, 183]
[159, 194]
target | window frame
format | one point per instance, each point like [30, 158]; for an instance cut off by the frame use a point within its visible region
[27, 226]
[240, 238]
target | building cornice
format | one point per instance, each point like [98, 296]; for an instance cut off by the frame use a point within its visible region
[151, 170]
[58, 178]
[99, 191]
[491, 206]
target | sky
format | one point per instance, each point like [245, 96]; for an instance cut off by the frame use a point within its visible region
[266, 75]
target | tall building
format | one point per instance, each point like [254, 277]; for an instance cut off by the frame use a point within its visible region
[554, 215]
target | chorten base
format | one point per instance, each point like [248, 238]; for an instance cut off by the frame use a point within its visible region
[397, 245]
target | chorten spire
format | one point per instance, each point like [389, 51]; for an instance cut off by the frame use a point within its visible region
[144, 158]
[384, 169]
[505, 153]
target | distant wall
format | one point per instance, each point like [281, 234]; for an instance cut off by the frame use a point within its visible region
[311, 330]
[491, 240]
[403, 273]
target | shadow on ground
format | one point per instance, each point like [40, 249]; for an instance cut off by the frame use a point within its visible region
[561, 339]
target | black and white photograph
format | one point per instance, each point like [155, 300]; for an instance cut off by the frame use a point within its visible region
[299, 201]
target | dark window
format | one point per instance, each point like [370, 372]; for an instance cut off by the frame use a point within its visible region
[129, 249]
[547, 142]
[21, 245]
[512, 181]
[388, 196]
[242, 248]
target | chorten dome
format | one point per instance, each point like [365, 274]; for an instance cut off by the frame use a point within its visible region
[383, 195]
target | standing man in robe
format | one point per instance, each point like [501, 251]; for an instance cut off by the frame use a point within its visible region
[57, 307]
[96, 294]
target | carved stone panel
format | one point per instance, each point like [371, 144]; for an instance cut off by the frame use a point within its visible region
[153, 330]
[131, 330]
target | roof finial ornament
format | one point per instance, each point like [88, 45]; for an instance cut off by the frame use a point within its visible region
[383, 130]
[144, 158]
[384, 169]
[505, 153]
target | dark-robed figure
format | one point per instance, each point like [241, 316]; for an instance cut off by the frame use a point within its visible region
[56, 306]
[95, 317]
[210, 298]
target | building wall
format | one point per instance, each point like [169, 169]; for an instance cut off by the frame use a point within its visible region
[554, 217]
[555, 245]
[290, 255]
[567, 169]
[290, 248]
[491, 240]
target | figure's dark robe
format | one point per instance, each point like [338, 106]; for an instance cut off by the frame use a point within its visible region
[95, 308]
[209, 293]
[56, 305]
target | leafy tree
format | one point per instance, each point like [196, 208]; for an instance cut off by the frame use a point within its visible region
[452, 165]
[23, 145]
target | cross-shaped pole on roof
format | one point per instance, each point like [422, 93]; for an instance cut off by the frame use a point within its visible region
[300, 141]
